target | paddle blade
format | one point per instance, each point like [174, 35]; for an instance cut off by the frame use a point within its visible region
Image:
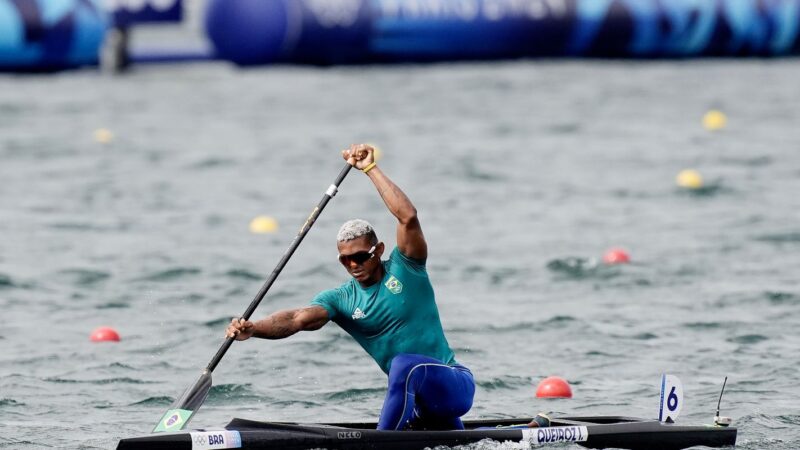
[184, 408]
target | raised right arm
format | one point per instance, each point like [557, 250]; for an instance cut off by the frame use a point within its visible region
[280, 324]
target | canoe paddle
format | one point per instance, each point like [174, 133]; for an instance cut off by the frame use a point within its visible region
[184, 408]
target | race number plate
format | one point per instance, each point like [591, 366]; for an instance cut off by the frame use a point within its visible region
[551, 435]
[671, 398]
[202, 440]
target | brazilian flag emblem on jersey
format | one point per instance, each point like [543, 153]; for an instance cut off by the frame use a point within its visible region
[394, 285]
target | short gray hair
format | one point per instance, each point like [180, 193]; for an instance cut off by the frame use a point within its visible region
[354, 229]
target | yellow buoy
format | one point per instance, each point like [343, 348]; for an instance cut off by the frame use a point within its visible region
[103, 136]
[689, 179]
[263, 225]
[714, 120]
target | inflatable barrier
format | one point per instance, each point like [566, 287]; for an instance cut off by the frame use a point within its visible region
[251, 32]
[37, 35]
[50, 34]
[47, 35]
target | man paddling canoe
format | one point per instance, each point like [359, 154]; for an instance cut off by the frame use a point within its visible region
[390, 309]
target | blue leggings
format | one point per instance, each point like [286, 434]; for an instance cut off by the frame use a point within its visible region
[425, 393]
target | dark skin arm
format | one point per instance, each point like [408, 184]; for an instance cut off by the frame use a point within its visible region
[410, 240]
[280, 324]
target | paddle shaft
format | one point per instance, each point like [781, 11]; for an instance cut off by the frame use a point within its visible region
[282, 263]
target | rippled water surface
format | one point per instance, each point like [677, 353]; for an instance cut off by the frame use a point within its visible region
[524, 173]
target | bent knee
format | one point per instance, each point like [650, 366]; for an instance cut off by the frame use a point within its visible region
[407, 370]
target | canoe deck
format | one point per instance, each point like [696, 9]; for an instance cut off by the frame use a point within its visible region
[590, 431]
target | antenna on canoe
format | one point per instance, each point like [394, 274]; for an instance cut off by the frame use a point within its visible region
[719, 420]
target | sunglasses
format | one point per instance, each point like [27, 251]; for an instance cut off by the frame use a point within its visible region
[358, 257]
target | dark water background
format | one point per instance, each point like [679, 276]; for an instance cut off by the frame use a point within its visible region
[516, 168]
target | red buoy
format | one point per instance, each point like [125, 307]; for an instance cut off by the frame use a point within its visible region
[616, 256]
[553, 387]
[104, 334]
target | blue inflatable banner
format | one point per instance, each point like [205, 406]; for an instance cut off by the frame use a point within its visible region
[57, 34]
[341, 31]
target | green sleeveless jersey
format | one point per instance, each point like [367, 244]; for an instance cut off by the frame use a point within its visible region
[396, 315]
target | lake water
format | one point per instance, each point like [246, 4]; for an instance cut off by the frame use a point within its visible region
[523, 173]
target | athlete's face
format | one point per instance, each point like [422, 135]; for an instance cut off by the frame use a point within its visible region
[362, 259]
